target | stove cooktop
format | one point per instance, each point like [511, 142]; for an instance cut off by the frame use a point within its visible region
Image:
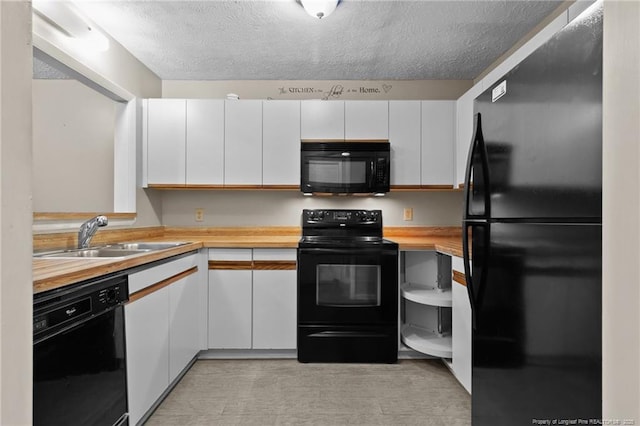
[344, 242]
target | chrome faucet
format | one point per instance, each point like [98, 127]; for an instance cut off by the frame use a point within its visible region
[88, 230]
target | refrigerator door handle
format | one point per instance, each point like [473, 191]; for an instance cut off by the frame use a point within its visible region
[475, 293]
[477, 146]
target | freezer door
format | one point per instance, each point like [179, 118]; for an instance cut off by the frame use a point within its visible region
[538, 334]
[542, 127]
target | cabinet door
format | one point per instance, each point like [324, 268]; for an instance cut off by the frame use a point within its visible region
[366, 120]
[438, 132]
[405, 138]
[183, 324]
[464, 133]
[274, 309]
[147, 335]
[205, 142]
[243, 143]
[322, 119]
[281, 143]
[229, 309]
[166, 141]
[461, 330]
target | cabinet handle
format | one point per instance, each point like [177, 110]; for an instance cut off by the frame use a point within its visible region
[159, 285]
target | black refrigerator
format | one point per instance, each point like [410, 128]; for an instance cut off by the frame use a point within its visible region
[532, 225]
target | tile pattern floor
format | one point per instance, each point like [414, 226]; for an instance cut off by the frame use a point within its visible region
[285, 392]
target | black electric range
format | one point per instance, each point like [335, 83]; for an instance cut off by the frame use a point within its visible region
[347, 288]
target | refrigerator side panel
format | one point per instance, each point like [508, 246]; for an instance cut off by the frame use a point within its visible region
[542, 126]
[538, 333]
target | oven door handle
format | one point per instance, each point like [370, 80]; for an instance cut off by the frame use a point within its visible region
[348, 334]
[344, 251]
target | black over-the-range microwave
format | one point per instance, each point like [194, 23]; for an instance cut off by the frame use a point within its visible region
[344, 166]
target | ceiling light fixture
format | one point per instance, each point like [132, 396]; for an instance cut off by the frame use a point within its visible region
[319, 8]
[71, 24]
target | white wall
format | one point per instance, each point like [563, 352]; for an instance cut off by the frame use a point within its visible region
[118, 71]
[73, 129]
[284, 208]
[313, 89]
[15, 213]
[621, 211]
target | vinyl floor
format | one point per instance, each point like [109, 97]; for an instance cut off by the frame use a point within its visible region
[285, 392]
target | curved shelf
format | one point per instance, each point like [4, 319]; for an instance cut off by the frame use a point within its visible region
[426, 342]
[425, 296]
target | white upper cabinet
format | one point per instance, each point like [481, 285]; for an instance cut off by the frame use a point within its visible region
[366, 120]
[322, 120]
[281, 143]
[405, 138]
[205, 142]
[243, 142]
[438, 139]
[166, 141]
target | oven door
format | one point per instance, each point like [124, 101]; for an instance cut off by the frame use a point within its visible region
[344, 172]
[347, 286]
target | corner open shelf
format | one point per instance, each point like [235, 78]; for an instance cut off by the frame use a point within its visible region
[426, 302]
[426, 296]
[426, 342]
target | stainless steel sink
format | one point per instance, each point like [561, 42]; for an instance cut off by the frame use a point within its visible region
[145, 246]
[93, 253]
[110, 251]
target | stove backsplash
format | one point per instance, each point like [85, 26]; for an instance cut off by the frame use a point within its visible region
[283, 208]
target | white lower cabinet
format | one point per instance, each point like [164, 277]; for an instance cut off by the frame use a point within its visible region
[147, 335]
[184, 339]
[162, 330]
[274, 309]
[230, 309]
[425, 278]
[461, 326]
[252, 299]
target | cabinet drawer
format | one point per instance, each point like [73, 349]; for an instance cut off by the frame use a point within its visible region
[274, 254]
[155, 274]
[230, 254]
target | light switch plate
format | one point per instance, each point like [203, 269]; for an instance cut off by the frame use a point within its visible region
[408, 214]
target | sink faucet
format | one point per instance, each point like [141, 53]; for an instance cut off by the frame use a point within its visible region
[88, 230]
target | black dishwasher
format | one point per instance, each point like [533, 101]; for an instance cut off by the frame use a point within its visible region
[79, 366]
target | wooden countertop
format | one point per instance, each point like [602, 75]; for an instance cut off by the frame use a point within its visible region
[49, 274]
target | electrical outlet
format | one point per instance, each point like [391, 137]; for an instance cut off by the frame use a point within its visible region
[199, 215]
[408, 213]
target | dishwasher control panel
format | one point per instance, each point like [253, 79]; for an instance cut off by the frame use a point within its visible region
[62, 308]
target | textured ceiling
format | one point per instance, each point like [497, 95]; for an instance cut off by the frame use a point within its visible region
[277, 40]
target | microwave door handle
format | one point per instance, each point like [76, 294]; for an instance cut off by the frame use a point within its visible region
[372, 177]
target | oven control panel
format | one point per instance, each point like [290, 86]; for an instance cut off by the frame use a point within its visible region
[342, 217]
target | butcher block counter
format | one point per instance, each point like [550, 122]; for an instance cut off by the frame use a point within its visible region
[51, 273]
